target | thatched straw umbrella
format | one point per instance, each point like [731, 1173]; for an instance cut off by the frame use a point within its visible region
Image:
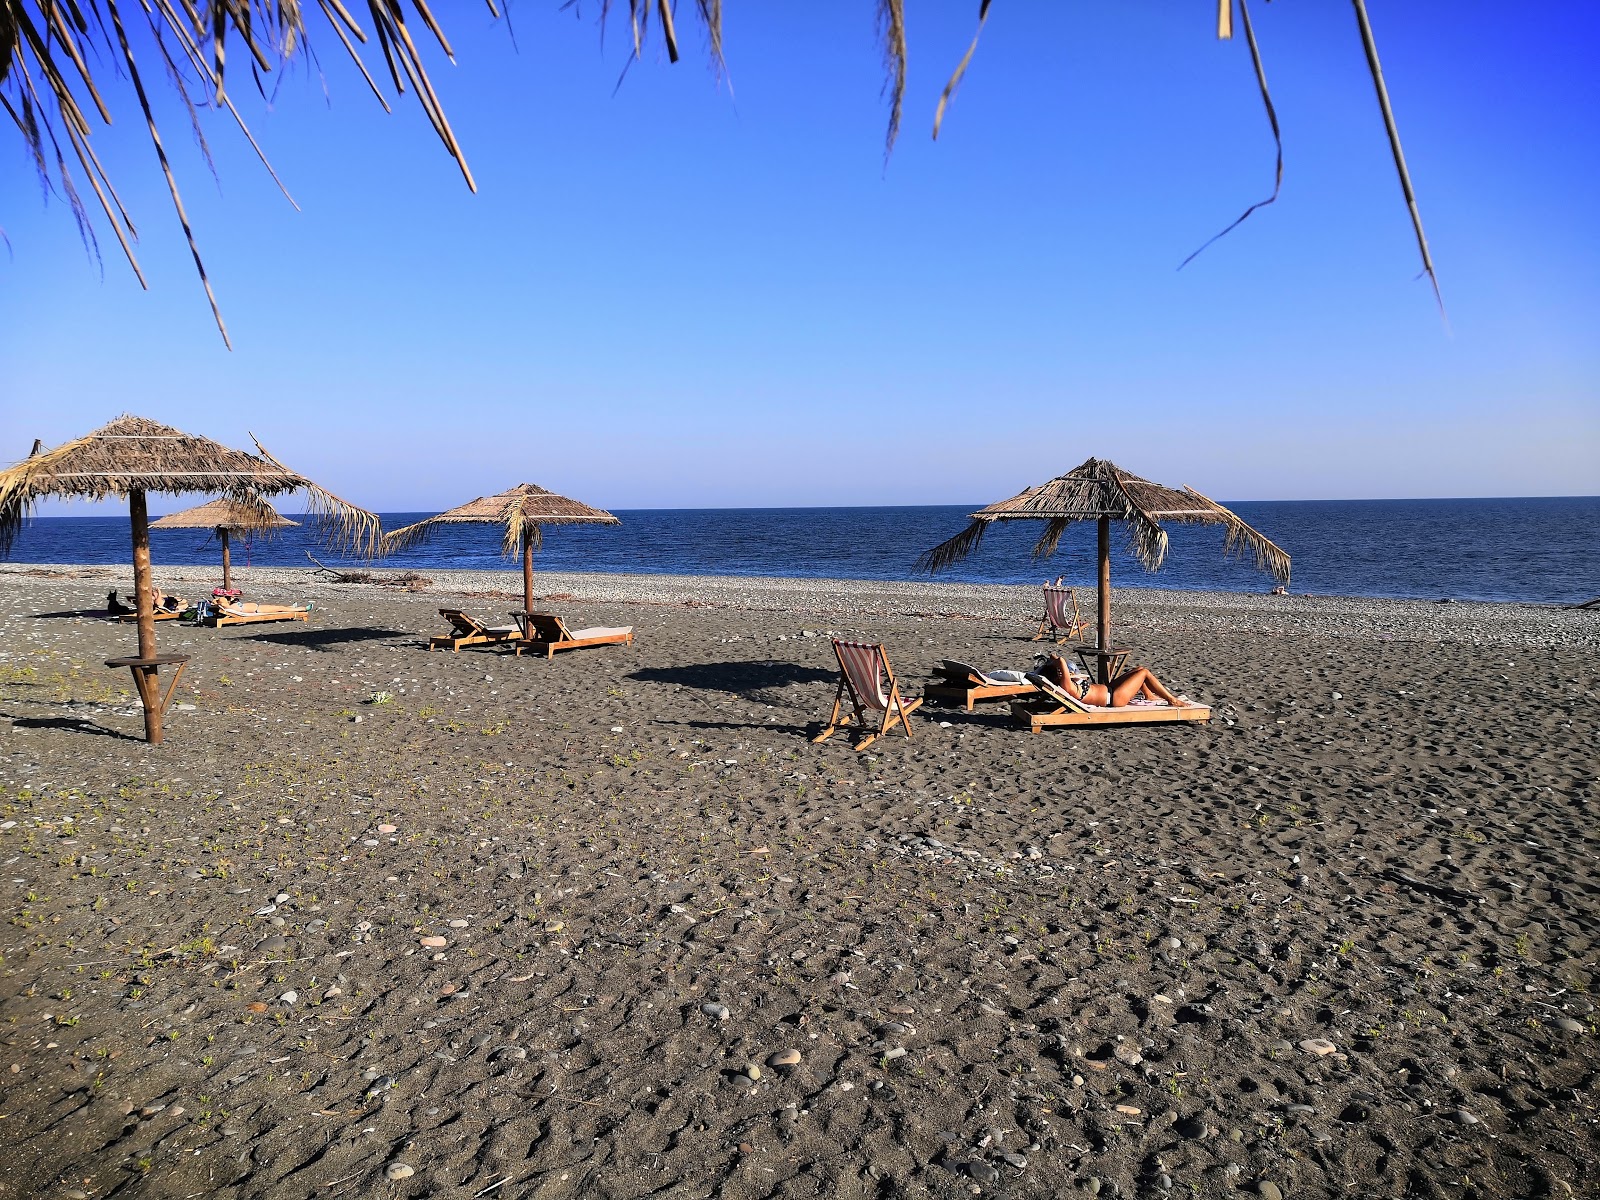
[132, 457]
[225, 517]
[1103, 492]
[522, 510]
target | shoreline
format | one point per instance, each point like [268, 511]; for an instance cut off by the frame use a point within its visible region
[1495, 622]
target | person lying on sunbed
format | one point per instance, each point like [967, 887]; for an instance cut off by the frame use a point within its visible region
[169, 602]
[1124, 689]
[254, 609]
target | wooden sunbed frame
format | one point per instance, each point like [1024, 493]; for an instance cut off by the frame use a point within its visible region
[896, 712]
[218, 618]
[960, 684]
[161, 614]
[546, 633]
[1063, 708]
[470, 632]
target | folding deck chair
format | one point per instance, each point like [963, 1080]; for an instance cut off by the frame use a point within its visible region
[1061, 619]
[471, 632]
[863, 669]
[1058, 706]
[548, 633]
[957, 683]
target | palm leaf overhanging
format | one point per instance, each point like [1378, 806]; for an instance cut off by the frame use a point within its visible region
[134, 454]
[1098, 488]
[54, 56]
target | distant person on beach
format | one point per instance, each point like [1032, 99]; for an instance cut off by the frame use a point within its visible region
[1125, 688]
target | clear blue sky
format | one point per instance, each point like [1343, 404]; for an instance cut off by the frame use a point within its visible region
[693, 294]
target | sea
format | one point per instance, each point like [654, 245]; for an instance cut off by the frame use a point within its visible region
[1542, 550]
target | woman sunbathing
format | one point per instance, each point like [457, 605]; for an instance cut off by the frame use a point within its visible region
[168, 602]
[1124, 689]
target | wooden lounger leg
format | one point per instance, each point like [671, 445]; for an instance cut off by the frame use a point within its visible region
[833, 721]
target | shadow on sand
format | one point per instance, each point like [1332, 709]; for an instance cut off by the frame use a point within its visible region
[73, 725]
[747, 679]
[322, 639]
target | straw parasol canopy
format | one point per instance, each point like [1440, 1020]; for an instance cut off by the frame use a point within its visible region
[521, 510]
[1103, 492]
[225, 517]
[131, 457]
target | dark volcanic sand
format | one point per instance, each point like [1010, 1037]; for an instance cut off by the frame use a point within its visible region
[1019, 965]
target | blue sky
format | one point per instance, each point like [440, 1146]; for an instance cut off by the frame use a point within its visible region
[692, 293]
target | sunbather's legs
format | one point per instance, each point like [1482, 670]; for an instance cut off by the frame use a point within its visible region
[1138, 680]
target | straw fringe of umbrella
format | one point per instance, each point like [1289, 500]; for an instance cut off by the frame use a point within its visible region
[133, 453]
[522, 510]
[1098, 488]
[251, 515]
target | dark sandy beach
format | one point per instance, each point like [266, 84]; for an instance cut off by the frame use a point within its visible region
[533, 928]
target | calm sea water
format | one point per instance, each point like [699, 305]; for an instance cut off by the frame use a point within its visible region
[1541, 550]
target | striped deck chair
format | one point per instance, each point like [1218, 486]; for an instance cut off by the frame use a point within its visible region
[866, 677]
[1061, 619]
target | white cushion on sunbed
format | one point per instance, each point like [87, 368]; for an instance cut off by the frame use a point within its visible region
[501, 630]
[600, 631]
[1003, 676]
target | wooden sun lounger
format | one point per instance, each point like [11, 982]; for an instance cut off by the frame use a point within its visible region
[1059, 707]
[546, 633]
[244, 614]
[472, 632]
[960, 684]
[161, 614]
[866, 678]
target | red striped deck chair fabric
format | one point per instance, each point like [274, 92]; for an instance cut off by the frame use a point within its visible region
[866, 678]
[1061, 619]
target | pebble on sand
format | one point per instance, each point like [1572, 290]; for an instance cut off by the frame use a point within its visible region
[1319, 1046]
[434, 941]
[388, 829]
[784, 1058]
[719, 1012]
[398, 1170]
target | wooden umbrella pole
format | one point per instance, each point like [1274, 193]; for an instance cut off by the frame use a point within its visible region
[527, 572]
[144, 600]
[227, 562]
[1104, 599]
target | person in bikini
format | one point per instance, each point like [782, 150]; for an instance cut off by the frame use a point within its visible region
[1124, 689]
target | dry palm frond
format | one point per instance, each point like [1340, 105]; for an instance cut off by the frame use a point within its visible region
[520, 510]
[1096, 489]
[132, 454]
[49, 85]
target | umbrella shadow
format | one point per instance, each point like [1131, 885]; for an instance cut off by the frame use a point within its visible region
[808, 730]
[751, 680]
[323, 639]
[73, 725]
